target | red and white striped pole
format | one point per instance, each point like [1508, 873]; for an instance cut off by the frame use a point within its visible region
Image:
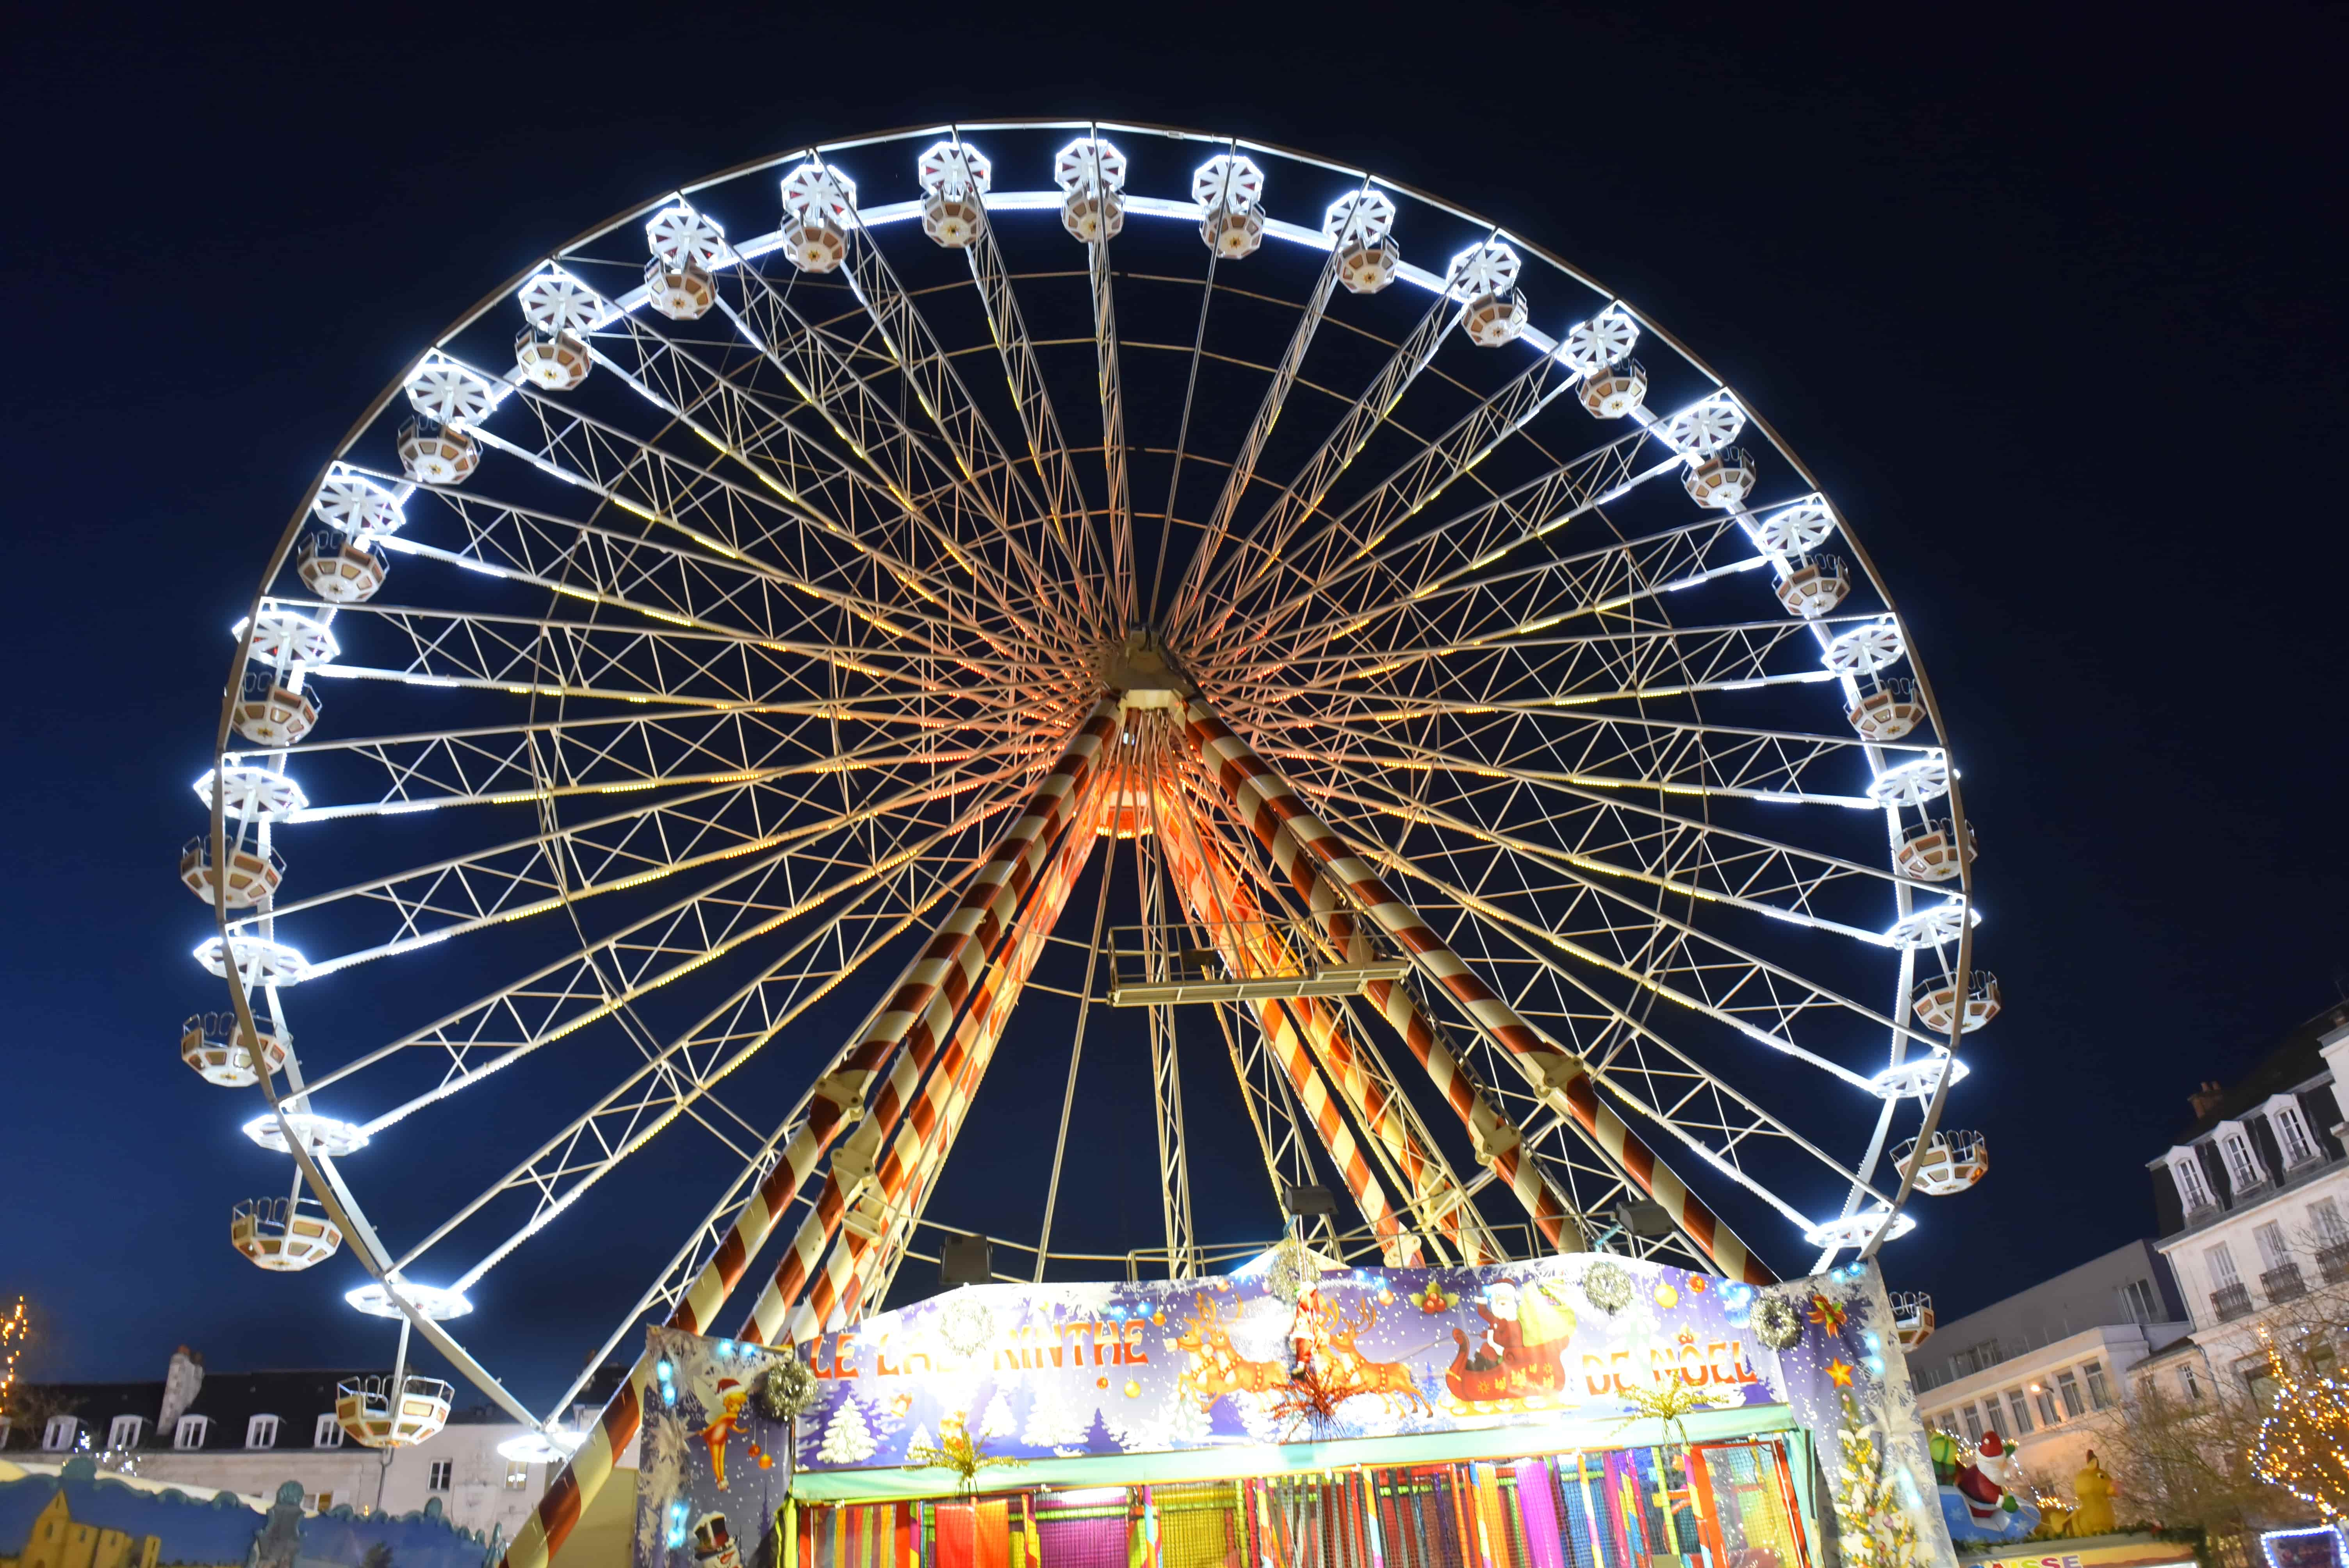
[922, 1014]
[926, 1131]
[1307, 850]
[838, 1094]
[1214, 900]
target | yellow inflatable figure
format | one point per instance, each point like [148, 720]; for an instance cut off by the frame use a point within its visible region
[2094, 1488]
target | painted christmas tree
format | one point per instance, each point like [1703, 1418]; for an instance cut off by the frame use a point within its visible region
[848, 1437]
[1052, 1422]
[1877, 1532]
[997, 1422]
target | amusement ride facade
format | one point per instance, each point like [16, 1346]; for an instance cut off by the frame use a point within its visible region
[763, 639]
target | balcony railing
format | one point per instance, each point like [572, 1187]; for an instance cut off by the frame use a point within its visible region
[2230, 1302]
[2282, 1282]
[2333, 1263]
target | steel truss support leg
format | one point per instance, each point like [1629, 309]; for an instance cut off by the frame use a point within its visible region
[921, 1015]
[1305, 848]
[1234, 925]
[857, 1271]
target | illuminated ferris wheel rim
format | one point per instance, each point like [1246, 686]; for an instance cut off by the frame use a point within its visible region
[1851, 1231]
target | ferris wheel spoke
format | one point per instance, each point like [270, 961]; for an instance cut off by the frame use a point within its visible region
[1673, 1114]
[1110, 375]
[1373, 580]
[934, 493]
[1063, 497]
[1502, 804]
[1419, 482]
[560, 871]
[1265, 547]
[756, 433]
[1719, 981]
[686, 1072]
[726, 516]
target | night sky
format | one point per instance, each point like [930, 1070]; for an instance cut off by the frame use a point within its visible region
[2051, 305]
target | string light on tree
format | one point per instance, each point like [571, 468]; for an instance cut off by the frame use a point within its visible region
[15, 1330]
[2303, 1444]
[1877, 1532]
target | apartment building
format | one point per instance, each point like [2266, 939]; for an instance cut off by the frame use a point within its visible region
[2044, 1368]
[2254, 1204]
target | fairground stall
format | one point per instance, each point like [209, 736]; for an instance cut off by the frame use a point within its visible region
[1582, 1411]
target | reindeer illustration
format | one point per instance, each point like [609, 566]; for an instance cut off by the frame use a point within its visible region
[1217, 1370]
[1357, 1375]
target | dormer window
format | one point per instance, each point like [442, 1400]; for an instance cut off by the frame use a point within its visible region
[190, 1432]
[2243, 1165]
[2291, 1134]
[59, 1434]
[327, 1433]
[124, 1431]
[2192, 1188]
[260, 1432]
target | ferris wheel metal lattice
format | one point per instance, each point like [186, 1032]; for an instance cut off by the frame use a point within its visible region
[763, 611]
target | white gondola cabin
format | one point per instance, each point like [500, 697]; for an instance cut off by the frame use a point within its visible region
[1887, 710]
[389, 1413]
[815, 243]
[1721, 479]
[1494, 319]
[340, 568]
[1912, 1317]
[272, 715]
[1929, 850]
[1365, 268]
[1811, 586]
[1614, 392]
[281, 1235]
[252, 875]
[557, 362]
[1935, 1002]
[433, 453]
[682, 291]
[1951, 1162]
[221, 1053]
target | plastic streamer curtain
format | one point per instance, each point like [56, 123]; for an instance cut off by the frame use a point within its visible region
[1715, 1505]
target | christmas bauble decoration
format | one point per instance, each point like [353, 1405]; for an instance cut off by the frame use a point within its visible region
[1291, 1272]
[784, 1390]
[966, 1326]
[1776, 1323]
[1607, 1287]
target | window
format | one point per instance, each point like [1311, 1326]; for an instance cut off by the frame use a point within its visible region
[2222, 1264]
[2192, 1187]
[2047, 1416]
[260, 1432]
[2099, 1396]
[517, 1474]
[2291, 1131]
[2242, 1165]
[2273, 1253]
[438, 1477]
[124, 1431]
[2324, 1214]
[1973, 1423]
[327, 1433]
[59, 1434]
[2260, 1382]
[190, 1432]
[2138, 1304]
[2018, 1411]
[2191, 1383]
[2069, 1387]
[325, 1500]
[4, 1425]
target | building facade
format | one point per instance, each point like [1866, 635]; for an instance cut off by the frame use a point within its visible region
[2253, 1204]
[249, 1432]
[2044, 1368]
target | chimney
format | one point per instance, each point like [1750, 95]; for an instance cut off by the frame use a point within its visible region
[182, 1382]
[2205, 1100]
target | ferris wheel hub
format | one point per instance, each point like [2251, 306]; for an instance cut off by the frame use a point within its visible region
[1139, 669]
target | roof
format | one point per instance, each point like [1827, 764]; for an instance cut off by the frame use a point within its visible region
[230, 1398]
[2286, 1067]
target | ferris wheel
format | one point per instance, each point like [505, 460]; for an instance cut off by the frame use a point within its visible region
[745, 655]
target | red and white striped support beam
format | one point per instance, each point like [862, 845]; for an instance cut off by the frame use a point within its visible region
[838, 1099]
[923, 1011]
[1235, 921]
[924, 1135]
[1307, 850]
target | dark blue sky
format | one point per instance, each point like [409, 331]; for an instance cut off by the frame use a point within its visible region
[2055, 305]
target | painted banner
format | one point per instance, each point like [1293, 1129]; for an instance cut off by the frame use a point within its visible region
[1040, 1379]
